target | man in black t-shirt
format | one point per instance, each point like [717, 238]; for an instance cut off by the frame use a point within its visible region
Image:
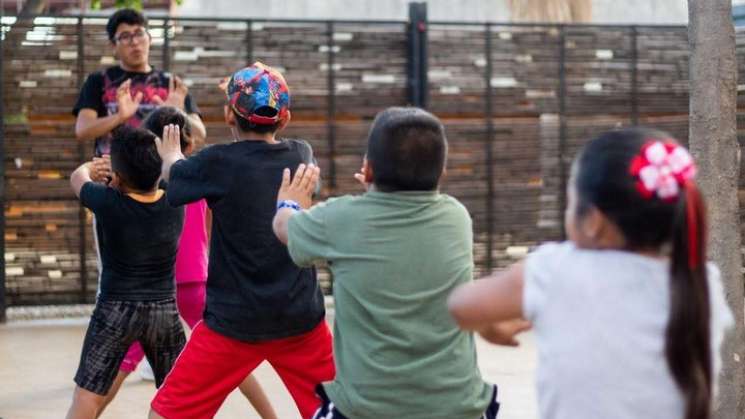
[125, 93]
[260, 305]
[138, 237]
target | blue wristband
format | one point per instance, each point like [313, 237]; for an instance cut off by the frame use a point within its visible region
[288, 203]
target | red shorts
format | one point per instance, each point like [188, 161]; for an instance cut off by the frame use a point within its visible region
[212, 365]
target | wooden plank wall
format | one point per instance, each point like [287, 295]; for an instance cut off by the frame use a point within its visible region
[40, 76]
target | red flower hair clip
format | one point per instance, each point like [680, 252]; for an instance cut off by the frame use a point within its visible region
[662, 169]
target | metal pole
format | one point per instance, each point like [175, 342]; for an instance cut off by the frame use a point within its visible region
[422, 27]
[3, 303]
[331, 108]
[489, 150]
[166, 45]
[417, 54]
[82, 215]
[634, 75]
[562, 129]
[249, 43]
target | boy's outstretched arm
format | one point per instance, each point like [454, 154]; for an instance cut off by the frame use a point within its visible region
[169, 149]
[496, 298]
[294, 195]
[80, 177]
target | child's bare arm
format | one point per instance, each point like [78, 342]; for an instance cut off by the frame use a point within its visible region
[169, 149]
[481, 303]
[80, 177]
[198, 130]
[298, 191]
[208, 225]
[503, 333]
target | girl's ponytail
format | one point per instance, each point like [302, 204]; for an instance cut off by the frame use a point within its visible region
[687, 342]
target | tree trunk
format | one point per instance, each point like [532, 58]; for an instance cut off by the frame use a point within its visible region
[554, 11]
[713, 140]
[23, 24]
[32, 7]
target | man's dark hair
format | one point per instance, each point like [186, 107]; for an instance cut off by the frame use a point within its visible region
[156, 120]
[407, 150]
[134, 158]
[128, 16]
[247, 126]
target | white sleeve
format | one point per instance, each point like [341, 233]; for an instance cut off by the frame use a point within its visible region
[540, 273]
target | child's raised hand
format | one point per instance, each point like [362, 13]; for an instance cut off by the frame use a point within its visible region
[361, 179]
[170, 145]
[361, 176]
[300, 188]
[504, 332]
[100, 168]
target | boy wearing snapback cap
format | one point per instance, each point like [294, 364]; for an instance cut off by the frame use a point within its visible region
[260, 305]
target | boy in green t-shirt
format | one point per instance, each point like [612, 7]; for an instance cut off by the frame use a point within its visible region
[396, 253]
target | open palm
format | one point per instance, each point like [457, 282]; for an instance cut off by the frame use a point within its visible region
[126, 104]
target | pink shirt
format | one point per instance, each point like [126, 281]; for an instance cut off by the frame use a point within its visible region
[191, 258]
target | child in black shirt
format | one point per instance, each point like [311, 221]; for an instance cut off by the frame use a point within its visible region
[260, 305]
[138, 237]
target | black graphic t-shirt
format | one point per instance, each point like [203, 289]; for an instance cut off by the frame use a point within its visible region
[254, 290]
[99, 93]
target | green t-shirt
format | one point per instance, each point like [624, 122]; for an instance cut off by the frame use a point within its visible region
[395, 258]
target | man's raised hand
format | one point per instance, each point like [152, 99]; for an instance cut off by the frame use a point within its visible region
[177, 91]
[126, 104]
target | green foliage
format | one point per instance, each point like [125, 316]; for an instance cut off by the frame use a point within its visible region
[125, 4]
[15, 119]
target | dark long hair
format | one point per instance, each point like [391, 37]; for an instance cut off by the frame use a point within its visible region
[603, 180]
[157, 119]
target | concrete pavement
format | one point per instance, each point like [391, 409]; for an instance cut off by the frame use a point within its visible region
[38, 360]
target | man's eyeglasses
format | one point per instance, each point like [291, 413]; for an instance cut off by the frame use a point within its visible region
[131, 37]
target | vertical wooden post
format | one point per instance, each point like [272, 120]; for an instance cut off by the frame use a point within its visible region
[489, 114]
[82, 215]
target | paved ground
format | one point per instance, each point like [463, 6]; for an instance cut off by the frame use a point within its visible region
[38, 360]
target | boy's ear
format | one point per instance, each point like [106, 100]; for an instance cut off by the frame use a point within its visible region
[367, 170]
[116, 181]
[284, 121]
[229, 116]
